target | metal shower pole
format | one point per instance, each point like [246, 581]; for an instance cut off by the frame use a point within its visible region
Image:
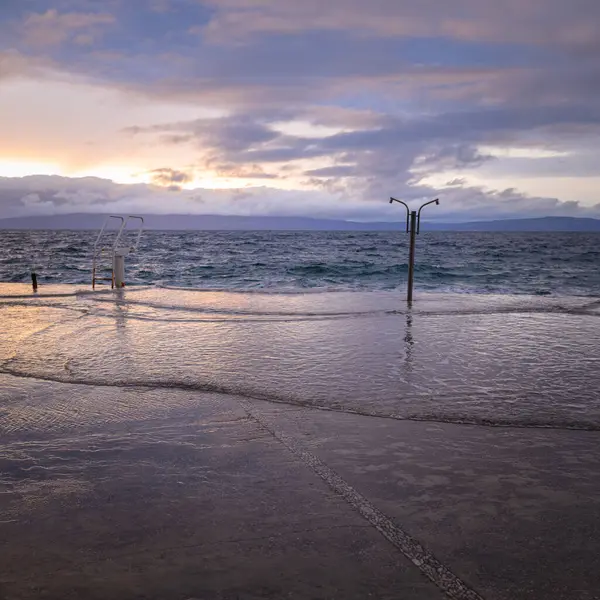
[413, 226]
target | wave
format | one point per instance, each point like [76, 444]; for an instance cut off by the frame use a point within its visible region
[240, 312]
[255, 394]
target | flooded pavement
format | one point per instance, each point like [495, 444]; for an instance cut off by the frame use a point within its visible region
[503, 360]
[207, 505]
[179, 444]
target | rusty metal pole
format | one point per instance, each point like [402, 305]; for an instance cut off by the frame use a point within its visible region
[411, 256]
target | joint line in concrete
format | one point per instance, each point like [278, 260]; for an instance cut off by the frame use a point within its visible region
[430, 566]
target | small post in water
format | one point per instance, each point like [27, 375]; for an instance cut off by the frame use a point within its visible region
[119, 267]
[34, 281]
[413, 226]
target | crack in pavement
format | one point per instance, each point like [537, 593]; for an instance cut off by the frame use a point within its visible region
[429, 565]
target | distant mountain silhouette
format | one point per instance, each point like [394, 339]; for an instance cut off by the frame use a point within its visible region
[536, 224]
[232, 223]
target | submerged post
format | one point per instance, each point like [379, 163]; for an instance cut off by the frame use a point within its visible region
[413, 226]
[119, 267]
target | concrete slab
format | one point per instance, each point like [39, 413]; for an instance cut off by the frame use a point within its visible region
[207, 505]
[513, 512]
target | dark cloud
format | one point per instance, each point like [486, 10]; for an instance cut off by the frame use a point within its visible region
[339, 171]
[41, 195]
[451, 157]
[457, 181]
[170, 178]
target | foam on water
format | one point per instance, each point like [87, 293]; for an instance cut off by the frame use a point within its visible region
[498, 360]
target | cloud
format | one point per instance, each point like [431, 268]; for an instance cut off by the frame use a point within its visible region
[387, 152]
[43, 195]
[170, 178]
[52, 28]
[450, 157]
[338, 171]
[14, 64]
[457, 181]
[537, 21]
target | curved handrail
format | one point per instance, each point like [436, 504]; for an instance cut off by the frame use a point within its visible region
[98, 248]
[98, 252]
[139, 235]
[104, 227]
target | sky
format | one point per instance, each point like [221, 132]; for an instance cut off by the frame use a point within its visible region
[300, 107]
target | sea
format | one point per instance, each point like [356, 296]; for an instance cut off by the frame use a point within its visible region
[552, 264]
[504, 330]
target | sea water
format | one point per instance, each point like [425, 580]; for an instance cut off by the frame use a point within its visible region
[498, 263]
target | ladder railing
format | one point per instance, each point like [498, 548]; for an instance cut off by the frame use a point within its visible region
[116, 250]
[139, 234]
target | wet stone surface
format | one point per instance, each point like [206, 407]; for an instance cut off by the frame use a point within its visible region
[205, 507]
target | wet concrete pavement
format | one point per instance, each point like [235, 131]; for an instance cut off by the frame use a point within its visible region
[207, 505]
[472, 471]
[246, 499]
[513, 511]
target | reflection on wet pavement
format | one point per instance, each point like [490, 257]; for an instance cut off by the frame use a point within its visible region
[518, 361]
[166, 444]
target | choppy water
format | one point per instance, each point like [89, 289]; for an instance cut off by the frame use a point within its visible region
[500, 263]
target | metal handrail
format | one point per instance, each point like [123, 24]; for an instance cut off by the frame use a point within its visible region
[98, 249]
[102, 231]
[139, 235]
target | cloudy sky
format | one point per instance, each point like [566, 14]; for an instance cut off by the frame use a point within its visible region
[300, 107]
